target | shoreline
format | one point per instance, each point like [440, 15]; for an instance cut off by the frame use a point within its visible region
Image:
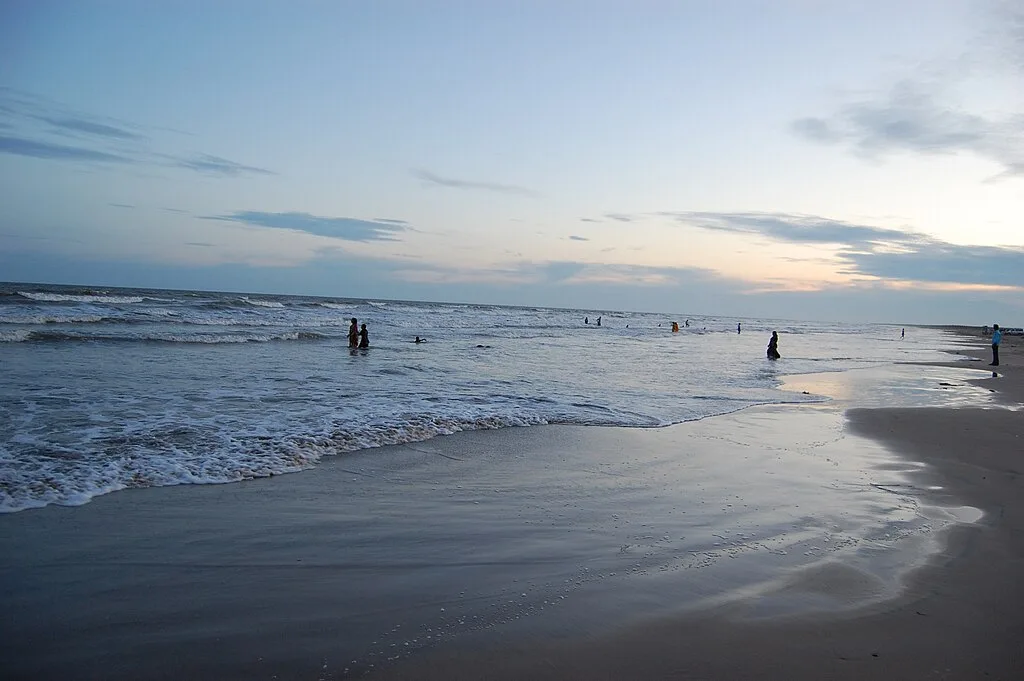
[266, 577]
[956, 618]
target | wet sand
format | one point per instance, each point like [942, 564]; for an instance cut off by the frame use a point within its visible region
[550, 552]
[959, 616]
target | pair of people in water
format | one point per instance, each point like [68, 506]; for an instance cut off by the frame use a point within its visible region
[358, 338]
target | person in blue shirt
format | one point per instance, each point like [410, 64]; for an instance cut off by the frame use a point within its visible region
[997, 338]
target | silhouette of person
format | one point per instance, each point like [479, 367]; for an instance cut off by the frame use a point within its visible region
[420, 340]
[997, 338]
[353, 334]
[687, 322]
[599, 321]
[738, 329]
[903, 333]
[773, 346]
[586, 320]
[364, 337]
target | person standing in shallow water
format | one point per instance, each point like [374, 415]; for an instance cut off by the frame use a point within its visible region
[997, 338]
[364, 337]
[773, 346]
[353, 334]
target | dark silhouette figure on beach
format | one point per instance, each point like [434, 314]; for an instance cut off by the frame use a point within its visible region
[773, 346]
[997, 338]
[353, 334]
[739, 329]
[903, 332]
[364, 337]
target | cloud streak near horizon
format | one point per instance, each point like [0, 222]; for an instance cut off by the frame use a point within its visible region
[876, 251]
[348, 229]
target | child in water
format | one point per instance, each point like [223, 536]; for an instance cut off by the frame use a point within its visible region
[364, 337]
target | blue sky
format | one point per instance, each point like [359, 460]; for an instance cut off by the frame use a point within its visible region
[800, 159]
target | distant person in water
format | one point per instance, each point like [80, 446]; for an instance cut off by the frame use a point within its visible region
[903, 333]
[997, 338]
[599, 321]
[586, 320]
[773, 346]
[738, 328]
[420, 340]
[353, 334]
[687, 322]
[364, 337]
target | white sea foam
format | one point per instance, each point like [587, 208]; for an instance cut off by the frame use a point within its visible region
[204, 387]
[69, 298]
[14, 335]
[61, 477]
[45, 318]
[262, 303]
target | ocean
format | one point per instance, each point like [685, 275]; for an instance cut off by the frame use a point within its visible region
[113, 388]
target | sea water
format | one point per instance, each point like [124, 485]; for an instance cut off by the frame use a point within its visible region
[105, 389]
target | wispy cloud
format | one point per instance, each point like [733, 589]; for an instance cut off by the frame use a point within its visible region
[121, 205]
[619, 217]
[918, 115]
[349, 229]
[1008, 18]
[41, 128]
[20, 146]
[83, 125]
[877, 251]
[796, 228]
[438, 180]
[219, 166]
[573, 237]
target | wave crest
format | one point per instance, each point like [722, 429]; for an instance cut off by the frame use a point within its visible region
[83, 298]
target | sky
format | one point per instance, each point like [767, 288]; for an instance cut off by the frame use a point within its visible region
[801, 159]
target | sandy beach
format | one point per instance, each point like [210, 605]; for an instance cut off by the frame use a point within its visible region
[550, 552]
[958, 617]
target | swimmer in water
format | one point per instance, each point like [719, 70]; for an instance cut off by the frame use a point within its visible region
[773, 346]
